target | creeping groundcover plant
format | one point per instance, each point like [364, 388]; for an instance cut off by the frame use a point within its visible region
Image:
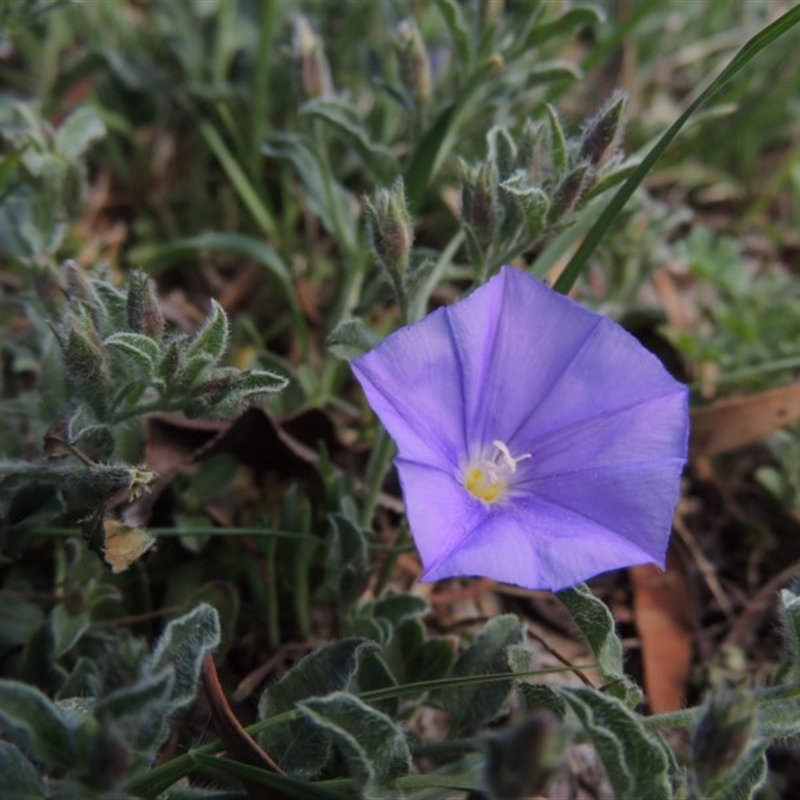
[539, 443]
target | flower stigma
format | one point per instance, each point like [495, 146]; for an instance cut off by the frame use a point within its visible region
[487, 479]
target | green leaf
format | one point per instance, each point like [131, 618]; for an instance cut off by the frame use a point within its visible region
[350, 339]
[142, 710]
[746, 54]
[779, 716]
[249, 196]
[415, 658]
[551, 71]
[474, 705]
[182, 646]
[300, 749]
[67, 628]
[78, 131]
[282, 785]
[595, 622]
[330, 201]
[538, 697]
[572, 19]
[373, 746]
[19, 618]
[636, 760]
[453, 16]
[19, 779]
[397, 608]
[438, 140]
[346, 565]
[211, 340]
[137, 347]
[744, 780]
[35, 723]
[558, 142]
[345, 119]
[789, 611]
[255, 382]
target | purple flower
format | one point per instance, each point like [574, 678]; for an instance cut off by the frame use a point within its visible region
[539, 443]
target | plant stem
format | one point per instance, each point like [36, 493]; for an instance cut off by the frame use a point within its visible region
[378, 466]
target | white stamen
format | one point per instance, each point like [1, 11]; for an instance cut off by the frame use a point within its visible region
[511, 462]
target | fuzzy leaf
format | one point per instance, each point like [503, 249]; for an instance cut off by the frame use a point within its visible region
[538, 697]
[476, 704]
[78, 131]
[414, 658]
[256, 382]
[350, 339]
[345, 119]
[300, 749]
[141, 709]
[181, 647]
[397, 608]
[779, 718]
[570, 20]
[595, 622]
[790, 615]
[35, 723]
[67, 628]
[18, 777]
[636, 760]
[211, 340]
[137, 347]
[558, 142]
[744, 780]
[347, 565]
[372, 744]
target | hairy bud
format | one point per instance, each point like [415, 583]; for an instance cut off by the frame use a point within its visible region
[491, 10]
[532, 152]
[569, 192]
[311, 65]
[723, 733]
[144, 313]
[415, 66]
[479, 207]
[603, 133]
[520, 761]
[390, 228]
[84, 355]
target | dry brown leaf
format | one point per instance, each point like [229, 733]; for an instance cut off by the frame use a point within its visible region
[729, 424]
[664, 625]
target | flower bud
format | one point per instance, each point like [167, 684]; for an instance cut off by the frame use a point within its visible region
[144, 313]
[569, 192]
[532, 204]
[83, 352]
[311, 66]
[479, 206]
[491, 11]
[723, 733]
[415, 66]
[390, 228]
[602, 134]
[532, 152]
[80, 292]
[520, 761]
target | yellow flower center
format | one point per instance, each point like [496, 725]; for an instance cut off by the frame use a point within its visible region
[488, 479]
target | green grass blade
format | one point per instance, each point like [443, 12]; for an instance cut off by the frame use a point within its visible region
[746, 54]
[237, 176]
[285, 785]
